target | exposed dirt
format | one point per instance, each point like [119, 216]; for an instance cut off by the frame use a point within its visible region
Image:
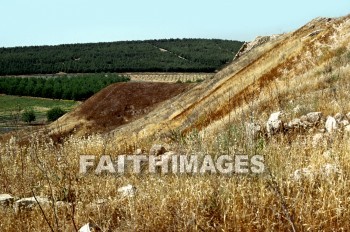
[118, 104]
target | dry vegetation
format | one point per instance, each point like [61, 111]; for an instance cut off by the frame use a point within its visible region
[297, 70]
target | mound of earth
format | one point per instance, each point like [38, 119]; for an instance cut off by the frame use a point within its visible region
[116, 105]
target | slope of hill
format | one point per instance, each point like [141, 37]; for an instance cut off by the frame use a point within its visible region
[116, 105]
[174, 55]
[305, 184]
[264, 79]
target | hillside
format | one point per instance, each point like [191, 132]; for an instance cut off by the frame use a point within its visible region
[284, 98]
[116, 105]
[174, 55]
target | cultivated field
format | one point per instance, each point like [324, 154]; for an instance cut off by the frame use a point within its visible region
[12, 107]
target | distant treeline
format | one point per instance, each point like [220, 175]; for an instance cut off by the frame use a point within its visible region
[76, 87]
[173, 55]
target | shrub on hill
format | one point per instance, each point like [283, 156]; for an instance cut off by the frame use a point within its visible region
[54, 114]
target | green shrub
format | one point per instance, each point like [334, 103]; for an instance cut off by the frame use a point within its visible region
[28, 116]
[54, 114]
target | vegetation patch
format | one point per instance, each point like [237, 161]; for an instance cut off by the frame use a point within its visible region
[70, 87]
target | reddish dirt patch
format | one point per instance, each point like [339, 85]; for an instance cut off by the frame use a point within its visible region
[122, 103]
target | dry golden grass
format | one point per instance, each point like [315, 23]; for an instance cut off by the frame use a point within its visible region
[278, 76]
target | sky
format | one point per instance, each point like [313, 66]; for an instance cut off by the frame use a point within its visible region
[52, 22]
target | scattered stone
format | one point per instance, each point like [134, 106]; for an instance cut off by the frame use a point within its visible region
[344, 123]
[303, 118]
[317, 139]
[274, 123]
[338, 117]
[6, 200]
[295, 123]
[314, 117]
[331, 124]
[138, 151]
[157, 149]
[127, 191]
[29, 202]
[85, 228]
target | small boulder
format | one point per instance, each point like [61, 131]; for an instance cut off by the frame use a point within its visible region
[303, 118]
[6, 200]
[344, 123]
[274, 123]
[29, 202]
[331, 124]
[138, 151]
[157, 149]
[295, 123]
[314, 117]
[338, 117]
[127, 191]
[85, 228]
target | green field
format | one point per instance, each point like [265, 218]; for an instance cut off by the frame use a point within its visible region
[11, 108]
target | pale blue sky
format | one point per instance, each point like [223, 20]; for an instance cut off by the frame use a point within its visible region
[39, 22]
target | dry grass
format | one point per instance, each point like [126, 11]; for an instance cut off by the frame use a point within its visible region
[278, 77]
[269, 202]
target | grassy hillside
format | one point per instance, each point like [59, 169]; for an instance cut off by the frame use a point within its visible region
[175, 55]
[306, 182]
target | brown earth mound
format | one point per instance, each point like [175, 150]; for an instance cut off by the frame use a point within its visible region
[116, 105]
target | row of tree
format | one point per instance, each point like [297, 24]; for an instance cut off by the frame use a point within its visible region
[198, 55]
[72, 87]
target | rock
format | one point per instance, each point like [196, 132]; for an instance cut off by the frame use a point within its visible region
[303, 173]
[295, 123]
[274, 123]
[138, 151]
[258, 41]
[329, 170]
[317, 139]
[127, 191]
[85, 228]
[6, 200]
[338, 117]
[303, 118]
[157, 149]
[29, 202]
[344, 123]
[314, 117]
[331, 124]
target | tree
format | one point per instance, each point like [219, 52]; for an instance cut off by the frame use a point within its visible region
[28, 116]
[54, 114]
